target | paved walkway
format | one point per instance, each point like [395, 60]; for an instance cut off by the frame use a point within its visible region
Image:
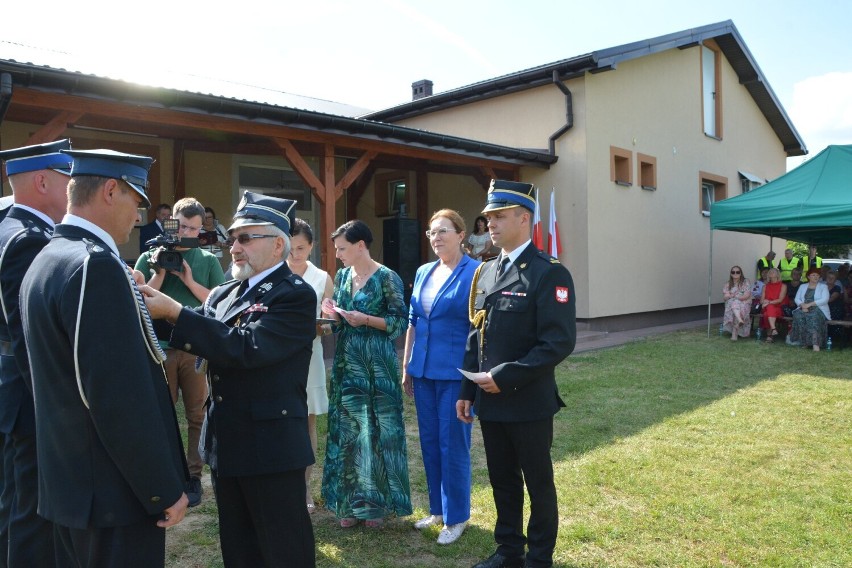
[591, 340]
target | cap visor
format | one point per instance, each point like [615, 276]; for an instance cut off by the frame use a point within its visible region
[499, 207]
[141, 193]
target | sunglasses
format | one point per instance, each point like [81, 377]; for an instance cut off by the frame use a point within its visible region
[735, 272]
[246, 238]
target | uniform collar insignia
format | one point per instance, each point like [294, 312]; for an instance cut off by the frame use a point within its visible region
[265, 287]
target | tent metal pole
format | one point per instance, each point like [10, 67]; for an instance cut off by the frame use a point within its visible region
[710, 282]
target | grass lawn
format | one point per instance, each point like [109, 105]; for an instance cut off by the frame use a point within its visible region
[673, 451]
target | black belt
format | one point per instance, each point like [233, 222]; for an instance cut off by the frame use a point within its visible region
[6, 348]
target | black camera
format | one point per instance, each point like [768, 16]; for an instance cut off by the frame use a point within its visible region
[168, 258]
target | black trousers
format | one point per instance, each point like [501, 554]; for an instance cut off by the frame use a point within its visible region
[30, 536]
[263, 521]
[519, 452]
[7, 492]
[141, 545]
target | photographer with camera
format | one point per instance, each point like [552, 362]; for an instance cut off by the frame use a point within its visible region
[186, 273]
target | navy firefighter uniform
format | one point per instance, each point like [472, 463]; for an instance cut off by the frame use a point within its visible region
[255, 338]
[109, 449]
[24, 231]
[523, 325]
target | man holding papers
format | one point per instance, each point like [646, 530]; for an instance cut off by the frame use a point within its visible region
[523, 325]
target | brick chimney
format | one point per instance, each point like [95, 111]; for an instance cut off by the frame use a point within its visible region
[420, 89]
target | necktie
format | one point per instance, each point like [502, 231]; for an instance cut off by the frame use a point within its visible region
[501, 268]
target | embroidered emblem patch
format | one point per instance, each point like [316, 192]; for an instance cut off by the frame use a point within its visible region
[562, 294]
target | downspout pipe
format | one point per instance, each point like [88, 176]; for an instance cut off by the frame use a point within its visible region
[5, 94]
[569, 113]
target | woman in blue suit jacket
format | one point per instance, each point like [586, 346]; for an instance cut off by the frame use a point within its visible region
[434, 350]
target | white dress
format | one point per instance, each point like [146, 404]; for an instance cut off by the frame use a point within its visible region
[317, 393]
[478, 242]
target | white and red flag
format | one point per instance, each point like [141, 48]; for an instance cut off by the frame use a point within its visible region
[538, 235]
[554, 242]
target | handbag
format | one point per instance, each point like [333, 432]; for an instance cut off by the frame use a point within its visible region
[755, 308]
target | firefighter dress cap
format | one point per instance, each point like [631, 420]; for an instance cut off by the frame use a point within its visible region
[38, 157]
[130, 168]
[507, 194]
[258, 209]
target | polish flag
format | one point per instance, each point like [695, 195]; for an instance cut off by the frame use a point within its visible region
[554, 242]
[537, 236]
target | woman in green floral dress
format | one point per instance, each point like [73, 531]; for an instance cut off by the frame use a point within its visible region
[365, 476]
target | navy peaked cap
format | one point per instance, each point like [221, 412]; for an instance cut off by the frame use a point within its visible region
[130, 168]
[506, 194]
[259, 209]
[38, 157]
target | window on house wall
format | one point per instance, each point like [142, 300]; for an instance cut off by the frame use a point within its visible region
[647, 171]
[712, 188]
[393, 194]
[711, 89]
[620, 166]
[750, 181]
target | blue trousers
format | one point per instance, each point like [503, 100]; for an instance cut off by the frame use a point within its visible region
[445, 445]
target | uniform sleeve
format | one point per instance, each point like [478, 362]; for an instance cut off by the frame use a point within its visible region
[555, 336]
[118, 378]
[18, 258]
[273, 336]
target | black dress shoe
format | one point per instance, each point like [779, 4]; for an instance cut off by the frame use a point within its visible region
[497, 560]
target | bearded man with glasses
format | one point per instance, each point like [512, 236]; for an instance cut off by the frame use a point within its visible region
[255, 335]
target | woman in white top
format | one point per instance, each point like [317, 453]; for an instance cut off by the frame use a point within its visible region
[301, 244]
[480, 240]
[213, 235]
[812, 312]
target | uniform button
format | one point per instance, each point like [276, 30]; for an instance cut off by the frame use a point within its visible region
[187, 346]
[218, 399]
[155, 499]
[215, 378]
[284, 412]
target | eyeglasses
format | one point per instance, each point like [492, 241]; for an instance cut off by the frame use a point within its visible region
[246, 238]
[442, 231]
[735, 272]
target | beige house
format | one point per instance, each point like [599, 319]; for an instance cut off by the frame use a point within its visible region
[635, 139]
[647, 135]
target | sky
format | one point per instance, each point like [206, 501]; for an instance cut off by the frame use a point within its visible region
[367, 53]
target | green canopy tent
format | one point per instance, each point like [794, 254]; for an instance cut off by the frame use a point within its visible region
[810, 204]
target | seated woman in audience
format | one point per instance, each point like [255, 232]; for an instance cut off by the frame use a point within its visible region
[812, 312]
[835, 296]
[737, 295]
[771, 298]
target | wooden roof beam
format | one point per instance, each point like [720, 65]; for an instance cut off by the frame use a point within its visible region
[54, 129]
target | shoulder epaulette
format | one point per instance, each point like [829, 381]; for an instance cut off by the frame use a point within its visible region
[95, 249]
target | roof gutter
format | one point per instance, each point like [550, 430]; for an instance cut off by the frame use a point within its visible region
[569, 113]
[5, 94]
